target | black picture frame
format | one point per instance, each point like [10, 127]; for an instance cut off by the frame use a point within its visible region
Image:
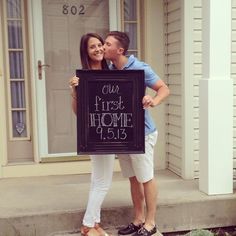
[110, 115]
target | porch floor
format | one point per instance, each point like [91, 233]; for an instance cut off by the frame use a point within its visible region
[44, 205]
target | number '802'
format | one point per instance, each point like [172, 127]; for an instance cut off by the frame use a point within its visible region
[73, 10]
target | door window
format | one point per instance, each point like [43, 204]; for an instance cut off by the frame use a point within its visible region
[16, 80]
[131, 24]
[14, 22]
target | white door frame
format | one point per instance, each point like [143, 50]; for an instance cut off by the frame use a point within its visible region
[39, 86]
[37, 52]
[3, 121]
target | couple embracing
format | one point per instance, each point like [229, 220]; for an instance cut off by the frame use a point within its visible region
[139, 168]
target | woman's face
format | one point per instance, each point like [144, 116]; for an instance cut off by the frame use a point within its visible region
[95, 49]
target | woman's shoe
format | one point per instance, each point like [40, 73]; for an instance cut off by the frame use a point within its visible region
[100, 230]
[89, 231]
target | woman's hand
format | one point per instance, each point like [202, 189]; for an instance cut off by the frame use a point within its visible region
[74, 81]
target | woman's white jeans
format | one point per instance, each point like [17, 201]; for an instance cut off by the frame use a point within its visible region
[101, 178]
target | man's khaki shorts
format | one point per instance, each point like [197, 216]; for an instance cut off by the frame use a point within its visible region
[140, 165]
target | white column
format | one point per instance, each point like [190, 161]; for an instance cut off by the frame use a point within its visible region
[216, 100]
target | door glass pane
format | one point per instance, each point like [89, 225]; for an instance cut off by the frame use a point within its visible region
[17, 94]
[15, 34]
[19, 124]
[14, 8]
[130, 52]
[130, 13]
[16, 65]
[132, 31]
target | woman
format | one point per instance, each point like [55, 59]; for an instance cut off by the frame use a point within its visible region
[91, 54]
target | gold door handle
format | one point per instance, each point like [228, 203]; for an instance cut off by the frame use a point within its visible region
[40, 67]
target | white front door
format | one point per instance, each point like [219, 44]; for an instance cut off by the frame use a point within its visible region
[57, 29]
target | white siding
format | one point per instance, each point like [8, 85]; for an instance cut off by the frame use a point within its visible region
[173, 76]
[197, 45]
[233, 75]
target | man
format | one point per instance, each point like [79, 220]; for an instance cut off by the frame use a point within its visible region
[139, 168]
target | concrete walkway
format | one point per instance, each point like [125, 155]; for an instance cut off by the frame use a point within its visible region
[54, 205]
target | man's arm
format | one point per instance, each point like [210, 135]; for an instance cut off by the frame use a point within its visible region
[162, 91]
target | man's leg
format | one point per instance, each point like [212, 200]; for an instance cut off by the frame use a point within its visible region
[150, 193]
[137, 194]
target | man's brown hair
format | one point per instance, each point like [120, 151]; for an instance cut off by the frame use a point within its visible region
[122, 38]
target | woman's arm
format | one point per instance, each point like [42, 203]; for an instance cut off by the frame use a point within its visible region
[74, 81]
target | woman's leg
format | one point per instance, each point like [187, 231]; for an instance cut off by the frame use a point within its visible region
[101, 178]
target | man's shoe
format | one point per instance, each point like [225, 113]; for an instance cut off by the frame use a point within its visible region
[130, 229]
[145, 232]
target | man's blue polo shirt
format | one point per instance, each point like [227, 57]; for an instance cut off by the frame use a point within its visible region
[150, 79]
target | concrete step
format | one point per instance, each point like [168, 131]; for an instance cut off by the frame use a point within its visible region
[43, 206]
[111, 231]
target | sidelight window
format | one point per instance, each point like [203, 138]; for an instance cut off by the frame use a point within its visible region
[130, 23]
[16, 68]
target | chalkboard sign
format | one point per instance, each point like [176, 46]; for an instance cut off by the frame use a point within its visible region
[110, 115]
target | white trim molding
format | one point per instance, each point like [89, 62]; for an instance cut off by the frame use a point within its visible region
[46, 169]
[3, 121]
[216, 100]
[38, 54]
